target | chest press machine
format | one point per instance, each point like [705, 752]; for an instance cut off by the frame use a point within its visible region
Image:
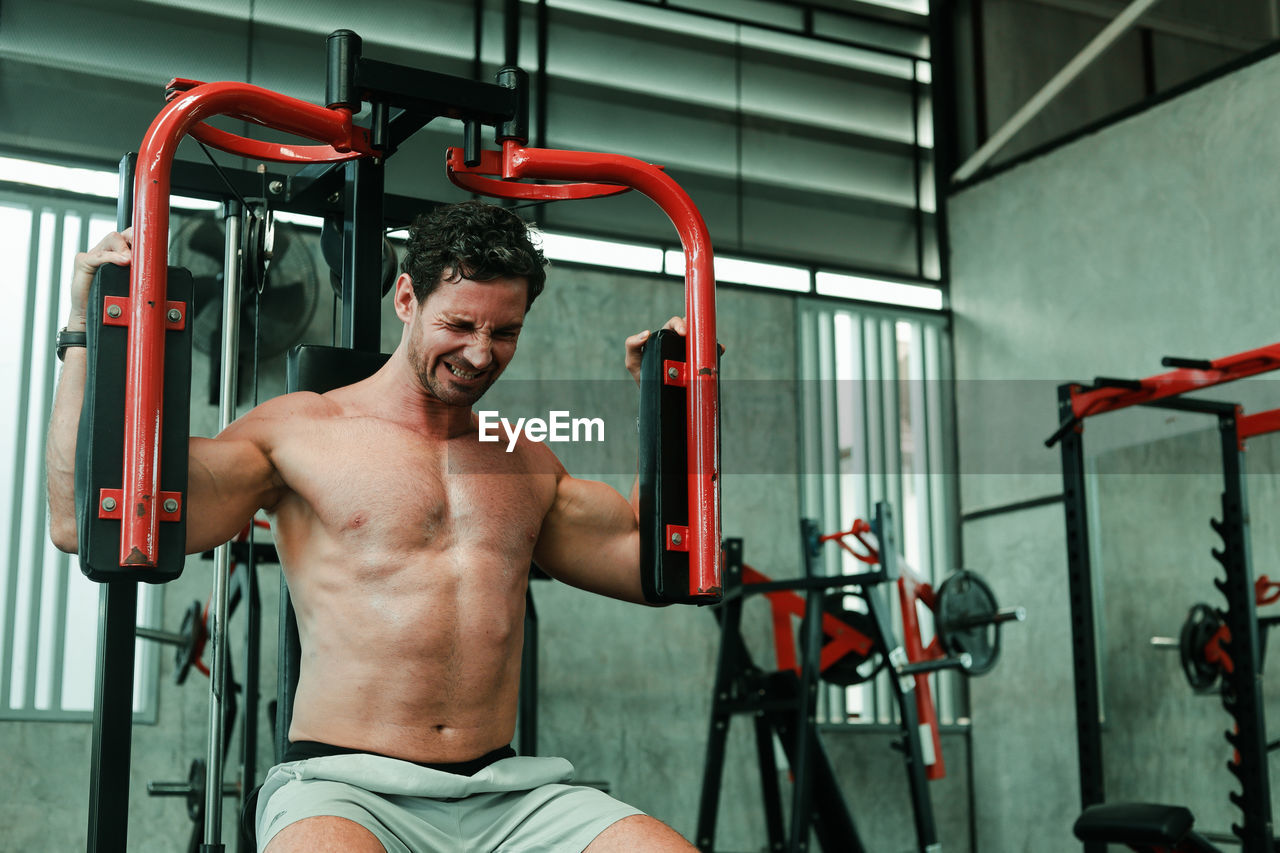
[132, 459]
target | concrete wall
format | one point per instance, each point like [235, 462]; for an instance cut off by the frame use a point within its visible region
[1011, 48]
[1150, 238]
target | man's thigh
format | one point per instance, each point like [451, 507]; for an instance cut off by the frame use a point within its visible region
[325, 834]
[639, 832]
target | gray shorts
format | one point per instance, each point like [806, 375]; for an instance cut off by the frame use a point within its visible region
[515, 805]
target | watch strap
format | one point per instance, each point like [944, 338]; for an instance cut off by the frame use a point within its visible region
[69, 338]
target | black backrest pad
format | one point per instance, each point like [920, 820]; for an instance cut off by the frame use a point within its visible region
[100, 440]
[313, 367]
[310, 367]
[664, 471]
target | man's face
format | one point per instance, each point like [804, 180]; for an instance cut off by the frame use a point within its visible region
[464, 335]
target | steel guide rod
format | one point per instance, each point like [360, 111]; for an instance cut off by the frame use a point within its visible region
[233, 266]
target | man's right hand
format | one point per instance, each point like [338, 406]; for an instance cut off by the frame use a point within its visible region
[115, 248]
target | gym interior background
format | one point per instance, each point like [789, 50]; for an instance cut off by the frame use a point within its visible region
[893, 331]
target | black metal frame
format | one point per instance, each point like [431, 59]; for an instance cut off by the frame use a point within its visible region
[1241, 689]
[785, 705]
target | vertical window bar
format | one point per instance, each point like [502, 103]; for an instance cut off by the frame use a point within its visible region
[833, 708]
[891, 413]
[811, 360]
[44, 681]
[940, 499]
[921, 426]
[877, 462]
[60, 564]
[830, 463]
[61, 568]
[33, 512]
[854, 440]
[19, 467]
[916, 389]
[808, 341]
[916, 167]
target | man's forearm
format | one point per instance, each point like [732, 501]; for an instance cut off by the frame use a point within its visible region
[60, 445]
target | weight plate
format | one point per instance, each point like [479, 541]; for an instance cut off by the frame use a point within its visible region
[192, 632]
[195, 796]
[853, 668]
[1202, 624]
[964, 617]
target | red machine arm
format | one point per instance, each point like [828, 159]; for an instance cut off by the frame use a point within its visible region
[608, 173]
[144, 404]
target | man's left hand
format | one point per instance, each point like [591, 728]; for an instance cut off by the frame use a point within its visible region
[635, 345]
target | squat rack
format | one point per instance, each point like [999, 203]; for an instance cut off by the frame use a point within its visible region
[1241, 691]
[142, 518]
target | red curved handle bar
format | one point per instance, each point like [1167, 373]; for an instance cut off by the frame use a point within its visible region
[188, 106]
[471, 178]
[703, 432]
[859, 527]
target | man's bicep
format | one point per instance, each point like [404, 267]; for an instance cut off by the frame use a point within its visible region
[590, 539]
[228, 480]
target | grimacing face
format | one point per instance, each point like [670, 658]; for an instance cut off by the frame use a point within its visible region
[464, 335]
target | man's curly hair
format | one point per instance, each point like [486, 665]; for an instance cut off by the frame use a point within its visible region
[472, 240]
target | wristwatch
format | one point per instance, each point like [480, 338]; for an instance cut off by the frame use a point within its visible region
[69, 338]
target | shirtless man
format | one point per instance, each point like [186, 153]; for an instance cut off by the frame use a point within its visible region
[406, 543]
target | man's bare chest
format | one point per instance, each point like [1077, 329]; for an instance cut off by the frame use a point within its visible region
[381, 486]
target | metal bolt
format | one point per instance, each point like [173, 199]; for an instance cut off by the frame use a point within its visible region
[109, 504]
[174, 315]
[672, 372]
[334, 198]
[276, 187]
[113, 311]
[676, 538]
[170, 505]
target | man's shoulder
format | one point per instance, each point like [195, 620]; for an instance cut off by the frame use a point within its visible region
[294, 407]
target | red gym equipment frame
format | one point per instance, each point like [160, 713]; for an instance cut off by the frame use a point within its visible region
[191, 102]
[1238, 643]
[611, 174]
[401, 101]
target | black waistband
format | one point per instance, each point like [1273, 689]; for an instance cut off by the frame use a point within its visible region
[299, 750]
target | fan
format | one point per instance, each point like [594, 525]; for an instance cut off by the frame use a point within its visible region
[288, 297]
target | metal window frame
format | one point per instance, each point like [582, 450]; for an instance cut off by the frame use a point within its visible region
[31, 533]
[876, 456]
